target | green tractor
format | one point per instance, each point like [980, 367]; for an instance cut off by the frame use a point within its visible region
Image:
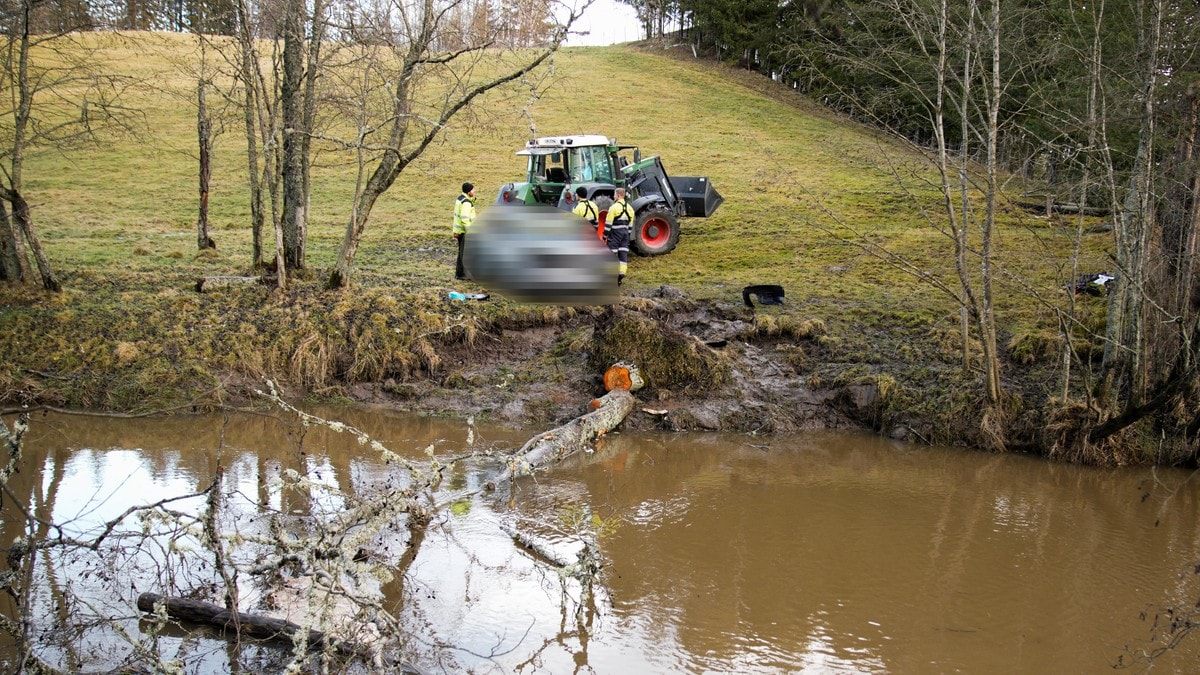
[559, 165]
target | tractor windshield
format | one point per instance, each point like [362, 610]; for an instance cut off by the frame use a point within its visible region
[590, 164]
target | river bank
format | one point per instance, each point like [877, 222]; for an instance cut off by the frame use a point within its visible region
[131, 346]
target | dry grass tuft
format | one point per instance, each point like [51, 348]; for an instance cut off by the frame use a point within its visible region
[947, 345]
[668, 358]
[127, 352]
[794, 355]
[310, 361]
[1065, 429]
[1029, 347]
[575, 341]
[784, 326]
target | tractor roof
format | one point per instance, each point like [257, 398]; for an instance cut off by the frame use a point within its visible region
[561, 142]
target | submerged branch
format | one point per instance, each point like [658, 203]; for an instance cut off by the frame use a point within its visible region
[253, 625]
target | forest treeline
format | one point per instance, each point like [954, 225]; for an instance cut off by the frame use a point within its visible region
[1099, 103]
[510, 23]
[878, 60]
[1096, 104]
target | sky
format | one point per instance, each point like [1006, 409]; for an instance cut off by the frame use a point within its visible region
[607, 22]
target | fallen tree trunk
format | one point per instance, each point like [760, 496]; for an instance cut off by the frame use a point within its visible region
[1048, 206]
[536, 546]
[555, 445]
[623, 376]
[254, 625]
[586, 568]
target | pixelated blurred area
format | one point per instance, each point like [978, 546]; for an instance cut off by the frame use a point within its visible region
[540, 255]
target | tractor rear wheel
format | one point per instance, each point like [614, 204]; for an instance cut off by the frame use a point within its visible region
[602, 203]
[655, 232]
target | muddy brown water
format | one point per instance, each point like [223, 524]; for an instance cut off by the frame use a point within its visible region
[818, 552]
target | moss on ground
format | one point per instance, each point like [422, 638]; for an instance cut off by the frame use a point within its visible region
[670, 360]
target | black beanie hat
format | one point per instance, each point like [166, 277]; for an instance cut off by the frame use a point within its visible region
[581, 191]
[467, 187]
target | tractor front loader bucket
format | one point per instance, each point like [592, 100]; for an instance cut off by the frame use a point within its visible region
[699, 197]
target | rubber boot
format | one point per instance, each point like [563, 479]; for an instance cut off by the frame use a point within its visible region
[620, 279]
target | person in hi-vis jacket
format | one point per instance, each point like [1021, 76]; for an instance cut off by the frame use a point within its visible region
[464, 215]
[617, 226]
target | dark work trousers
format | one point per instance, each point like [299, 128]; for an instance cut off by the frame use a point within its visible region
[618, 242]
[459, 272]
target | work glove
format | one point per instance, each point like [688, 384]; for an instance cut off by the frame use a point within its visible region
[457, 235]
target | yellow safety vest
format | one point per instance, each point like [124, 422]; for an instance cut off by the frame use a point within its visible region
[620, 214]
[587, 210]
[464, 213]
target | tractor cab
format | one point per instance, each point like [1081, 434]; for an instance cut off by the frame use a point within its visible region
[557, 162]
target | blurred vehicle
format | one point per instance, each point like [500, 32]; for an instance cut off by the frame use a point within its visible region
[540, 255]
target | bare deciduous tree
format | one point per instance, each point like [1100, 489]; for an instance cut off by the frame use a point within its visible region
[204, 139]
[259, 103]
[57, 99]
[407, 123]
[942, 71]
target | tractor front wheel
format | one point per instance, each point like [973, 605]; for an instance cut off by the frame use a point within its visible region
[655, 232]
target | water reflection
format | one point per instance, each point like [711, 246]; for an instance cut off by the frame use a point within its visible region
[815, 553]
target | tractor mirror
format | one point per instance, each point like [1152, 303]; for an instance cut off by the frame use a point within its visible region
[637, 155]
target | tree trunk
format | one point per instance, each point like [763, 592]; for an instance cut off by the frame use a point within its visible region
[254, 625]
[957, 224]
[623, 375]
[1124, 352]
[204, 134]
[294, 132]
[22, 223]
[1185, 244]
[991, 354]
[253, 99]
[557, 444]
[344, 265]
[21, 218]
[14, 264]
[308, 115]
[256, 191]
[1095, 72]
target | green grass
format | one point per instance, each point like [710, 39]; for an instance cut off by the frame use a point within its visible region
[782, 166]
[802, 188]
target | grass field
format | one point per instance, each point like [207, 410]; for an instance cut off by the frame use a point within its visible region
[804, 190]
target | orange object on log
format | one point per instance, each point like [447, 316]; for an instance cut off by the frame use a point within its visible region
[623, 375]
